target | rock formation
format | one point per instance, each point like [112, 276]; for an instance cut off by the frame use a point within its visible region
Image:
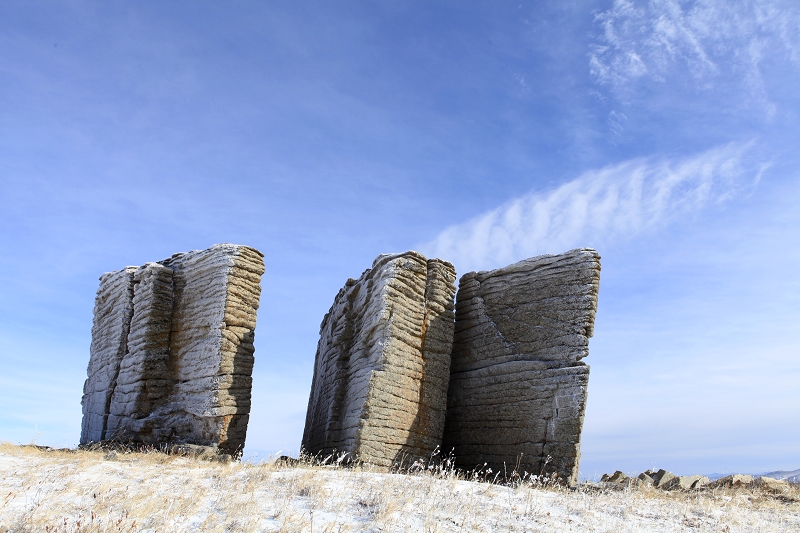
[382, 366]
[172, 350]
[662, 479]
[517, 390]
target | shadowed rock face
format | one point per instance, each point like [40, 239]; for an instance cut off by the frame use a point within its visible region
[517, 390]
[172, 350]
[382, 366]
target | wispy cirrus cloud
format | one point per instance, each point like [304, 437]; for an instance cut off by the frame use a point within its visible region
[709, 39]
[616, 201]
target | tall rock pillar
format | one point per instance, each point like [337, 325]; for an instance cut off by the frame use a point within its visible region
[517, 391]
[382, 366]
[172, 350]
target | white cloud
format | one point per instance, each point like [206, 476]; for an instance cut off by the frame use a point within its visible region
[616, 201]
[661, 39]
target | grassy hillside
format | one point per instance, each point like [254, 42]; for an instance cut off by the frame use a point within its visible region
[83, 491]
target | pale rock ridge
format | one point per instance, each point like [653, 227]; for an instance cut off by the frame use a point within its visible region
[177, 337]
[517, 391]
[382, 364]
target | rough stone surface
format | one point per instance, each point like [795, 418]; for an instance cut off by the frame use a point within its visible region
[663, 478]
[765, 483]
[646, 478]
[776, 486]
[733, 481]
[113, 309]
[379, 391]
[145, 378]
[517, 390]
[683, 482]
[172, 350]
[616, 477]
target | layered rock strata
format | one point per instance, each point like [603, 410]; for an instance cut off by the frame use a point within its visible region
[517, 390]
[382, 366]
[172, 350]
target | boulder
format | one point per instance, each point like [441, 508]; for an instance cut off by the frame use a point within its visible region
[379, 392]
[518, 384]
[663, 478]
[682, 482]
[647, 478]
[172, 351]
[774, 486]
[732, 481]
[616, 477]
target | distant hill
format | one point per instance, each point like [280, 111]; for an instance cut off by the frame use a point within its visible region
[788, 475]
[792, 476]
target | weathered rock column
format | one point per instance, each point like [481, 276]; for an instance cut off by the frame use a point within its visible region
[182, 368]
[217, 294]
[113, 310]
[383, 362]
[517, 390]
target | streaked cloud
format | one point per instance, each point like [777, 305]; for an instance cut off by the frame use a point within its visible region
[616, 201]
[663, 39]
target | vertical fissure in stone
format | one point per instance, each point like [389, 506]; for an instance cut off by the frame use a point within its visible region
[417, 428]
[335, 426]
[549, 436]
[153, 395]
[170, 359]
[437, 321]
[178, 285]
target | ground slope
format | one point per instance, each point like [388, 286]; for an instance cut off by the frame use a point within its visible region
[95, 491]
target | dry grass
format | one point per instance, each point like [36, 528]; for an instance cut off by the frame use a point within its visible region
[83, 491]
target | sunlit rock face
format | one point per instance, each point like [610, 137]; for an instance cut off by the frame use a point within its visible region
[172, 350]
[382, 366]
[517, 391]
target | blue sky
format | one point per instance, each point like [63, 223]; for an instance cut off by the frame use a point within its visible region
[662, 133]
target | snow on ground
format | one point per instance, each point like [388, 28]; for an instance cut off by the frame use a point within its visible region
[88, 491]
